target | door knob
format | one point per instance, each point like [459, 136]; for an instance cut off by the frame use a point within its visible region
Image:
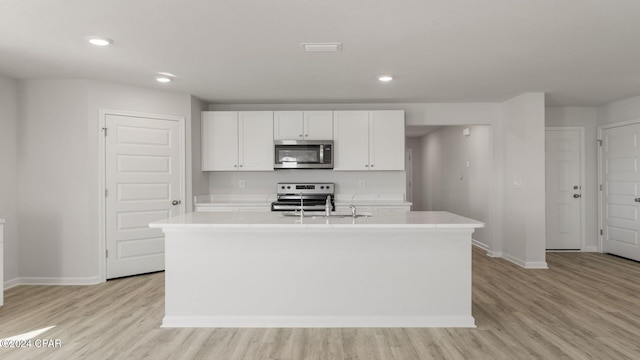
[575, 187]
[176, 202]
[576, 195]
[637, 200]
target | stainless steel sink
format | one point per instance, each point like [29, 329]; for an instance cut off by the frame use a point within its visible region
[313, 215]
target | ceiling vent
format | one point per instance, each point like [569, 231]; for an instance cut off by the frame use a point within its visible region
[321, 47]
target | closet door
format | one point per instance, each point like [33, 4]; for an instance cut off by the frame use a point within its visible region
[620, 193]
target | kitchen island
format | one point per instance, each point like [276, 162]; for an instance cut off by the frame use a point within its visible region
[252, 269]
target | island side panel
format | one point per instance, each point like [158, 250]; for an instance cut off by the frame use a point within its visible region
[334, 277]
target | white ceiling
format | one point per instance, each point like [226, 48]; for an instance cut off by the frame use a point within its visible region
[579, 52]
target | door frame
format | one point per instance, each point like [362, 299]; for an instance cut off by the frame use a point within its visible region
[601, 176]
[583, 177]
[102, 173]
[408, 153]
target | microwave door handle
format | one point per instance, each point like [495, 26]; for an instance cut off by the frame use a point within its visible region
[321, 154]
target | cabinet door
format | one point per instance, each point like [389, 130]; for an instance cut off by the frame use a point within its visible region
[351, 140]
[318, 125]
[287, 125]
[256, 143]
[386, 140]
[219, 140]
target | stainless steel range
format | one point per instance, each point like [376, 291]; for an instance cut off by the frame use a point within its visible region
[308, 196]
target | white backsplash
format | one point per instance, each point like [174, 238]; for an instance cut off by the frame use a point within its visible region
[347, 182]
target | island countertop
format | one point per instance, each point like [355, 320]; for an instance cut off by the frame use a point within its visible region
[412, 219]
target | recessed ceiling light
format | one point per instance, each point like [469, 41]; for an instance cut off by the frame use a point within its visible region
[163, 79]
[100, 41]
[385, 78]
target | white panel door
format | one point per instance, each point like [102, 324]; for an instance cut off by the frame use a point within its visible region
[621, 177]
[143, 180]
[386, 140]
[563, 190]
[287, 125]
[351, 140]
[255, 141]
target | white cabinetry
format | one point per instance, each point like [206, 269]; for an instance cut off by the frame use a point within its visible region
[368, 140]
[1, 262]
[303, 125]
[237, 141]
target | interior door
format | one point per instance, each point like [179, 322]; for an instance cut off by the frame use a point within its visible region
[563, 190]
[143, 184]
[621, 177]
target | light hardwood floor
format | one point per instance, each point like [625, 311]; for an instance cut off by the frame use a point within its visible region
[586, 306]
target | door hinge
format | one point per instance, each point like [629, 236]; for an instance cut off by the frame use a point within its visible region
[600, 187]
[599, 142]
[106, 192]
[105, 131]
[601, 232]
[106, 253]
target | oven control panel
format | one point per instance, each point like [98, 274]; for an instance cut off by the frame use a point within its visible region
[305, 188]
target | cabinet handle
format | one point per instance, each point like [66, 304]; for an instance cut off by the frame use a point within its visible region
[366, 166]
[240, 165]
[306, 135]
[235, 165]
[300, 135]
[372, 165]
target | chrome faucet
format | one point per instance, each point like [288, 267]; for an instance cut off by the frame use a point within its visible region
[353, 210]
[327, 206]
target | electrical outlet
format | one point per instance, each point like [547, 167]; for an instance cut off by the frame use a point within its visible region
[361, 184]
[241, 184]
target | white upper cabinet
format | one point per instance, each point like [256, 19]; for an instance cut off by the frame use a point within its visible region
[219, 140]
[255, 144]
[318, 125]
[237, 141]
[369, 140]
[302, 125]
[351, 140]
[386, 140]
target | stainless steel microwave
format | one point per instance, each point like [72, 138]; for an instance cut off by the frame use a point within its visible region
[303, 154]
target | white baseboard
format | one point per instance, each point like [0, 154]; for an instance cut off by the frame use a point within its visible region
[313, 321]
[495, 254]
[8, 284]
[479, 244]
[591, 249]
[58, 281]
[526, 264]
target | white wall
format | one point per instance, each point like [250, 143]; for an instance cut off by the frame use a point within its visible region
[58, 140]
[200, 179]
[524, 190]
[451, 185]
[586, 118]
[264, 182]
[53, 196]
[8, 175]
[618, 111]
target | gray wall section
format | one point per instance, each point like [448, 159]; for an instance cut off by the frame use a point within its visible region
[8, 175]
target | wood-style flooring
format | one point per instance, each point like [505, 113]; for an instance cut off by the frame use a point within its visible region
[586, 306]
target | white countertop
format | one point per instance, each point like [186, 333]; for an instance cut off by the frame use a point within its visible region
[386, 220]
